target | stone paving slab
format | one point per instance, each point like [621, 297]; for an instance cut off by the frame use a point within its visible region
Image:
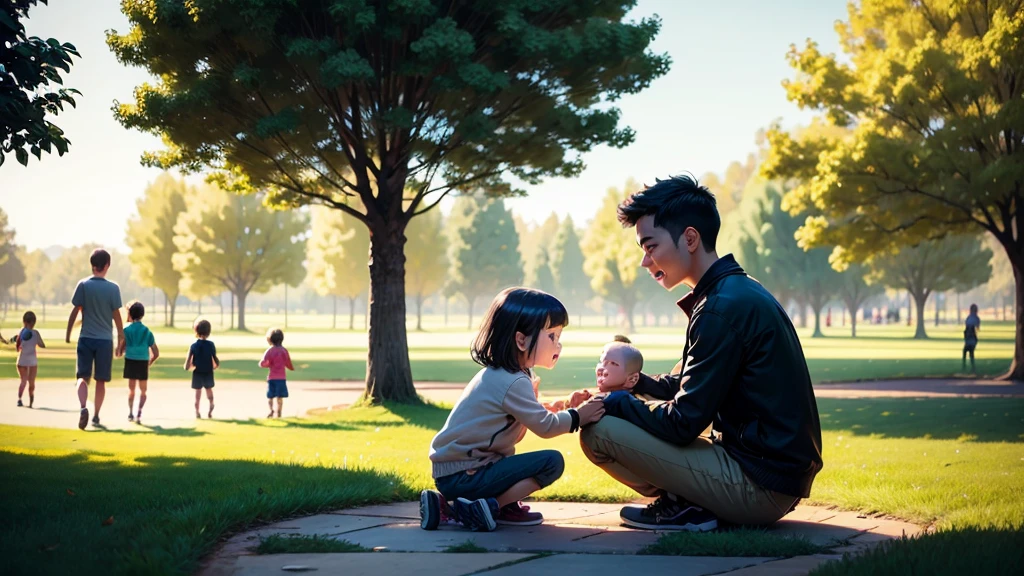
[374, 564]
[406, 510]
[325, 524]
[798, 566]
[563, 564]
[542, 538]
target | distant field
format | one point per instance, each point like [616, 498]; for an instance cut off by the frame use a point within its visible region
[442, 354]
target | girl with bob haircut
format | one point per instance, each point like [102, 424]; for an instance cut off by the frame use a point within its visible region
[475, 466]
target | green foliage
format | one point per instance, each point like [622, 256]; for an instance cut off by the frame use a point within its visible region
[28, 67]
[12, 269]
[542, 278]
[303, 544]
[238, 243]
[533, 239]
[467, 547]
[484, 249]
[571, 283]
[150, 237]
[338, 251]
[927, 91]
[426, 258]
[611, 256]
[854, 290]
[934, 266]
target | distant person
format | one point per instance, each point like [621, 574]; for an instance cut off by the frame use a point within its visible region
[27, 341]
[99, 301]
[138, 344]
[474, 460]
[971, 327]
[277, 359]
[202, 360]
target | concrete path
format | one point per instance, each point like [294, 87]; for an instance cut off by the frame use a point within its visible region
[170, 402]
[574, 537]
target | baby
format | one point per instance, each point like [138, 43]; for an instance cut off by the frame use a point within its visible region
[618, 369]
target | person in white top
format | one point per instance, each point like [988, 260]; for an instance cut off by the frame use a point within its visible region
[28, 363]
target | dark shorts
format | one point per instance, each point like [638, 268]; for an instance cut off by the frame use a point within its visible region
[277, 388]
[202, 380]
[544, 466]
[136, 369]
[94, 351]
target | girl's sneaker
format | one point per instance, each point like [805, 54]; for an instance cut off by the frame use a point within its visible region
[515, 514]
[19, 403]
[477, 515]
[138, 418]
[131, 417]
[31, 401]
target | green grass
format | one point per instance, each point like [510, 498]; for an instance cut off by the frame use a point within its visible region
[467, 547]
[959, 551]
[303, 544]
[174, 493]
[747, 542]
[879, 352]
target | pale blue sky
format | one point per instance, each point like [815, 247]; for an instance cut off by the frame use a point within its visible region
[728, 62]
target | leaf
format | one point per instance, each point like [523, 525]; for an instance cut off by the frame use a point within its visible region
[71, 492]
[22, 156]
[108, 521]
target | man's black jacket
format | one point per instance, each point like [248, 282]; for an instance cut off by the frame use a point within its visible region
[745, 372]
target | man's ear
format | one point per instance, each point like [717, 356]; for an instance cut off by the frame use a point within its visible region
[692, 239]
[522, 341]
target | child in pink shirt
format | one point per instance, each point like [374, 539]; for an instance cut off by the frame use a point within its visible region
[277, 359]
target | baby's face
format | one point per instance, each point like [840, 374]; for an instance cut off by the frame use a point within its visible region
[611, 370]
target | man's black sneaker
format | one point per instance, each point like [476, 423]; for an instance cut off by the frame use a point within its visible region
[476, 514]
[667, 514]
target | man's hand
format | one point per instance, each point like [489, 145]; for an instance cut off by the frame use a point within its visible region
[590, 412]
[579, 397]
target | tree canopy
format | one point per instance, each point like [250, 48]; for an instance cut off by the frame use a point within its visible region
[337, 251]
[612, 259]
[321, 102]
[150, 237]
[931, 92]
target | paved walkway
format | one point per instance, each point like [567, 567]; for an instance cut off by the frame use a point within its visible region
[575, 538]
[170, 402]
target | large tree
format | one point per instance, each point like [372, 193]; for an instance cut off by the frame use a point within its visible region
[150, 237]
[933, 94]
[934, 266]
[322, 101]
[532, 240]
[426, 259]
[611, 257]
[28, 67]
[854, 290]
[337, 250]
[571, 283]
[240, 243]
[484, 252]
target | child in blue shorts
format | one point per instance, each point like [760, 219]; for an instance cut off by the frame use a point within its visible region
[277, 359]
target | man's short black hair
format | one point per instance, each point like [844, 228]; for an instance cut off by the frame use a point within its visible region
[99, 259]
[677, 203]
[136, 310]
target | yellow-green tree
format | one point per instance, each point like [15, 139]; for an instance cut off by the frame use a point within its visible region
[151, 240]
[237, 241]
[571, 283]
[932, 94]
[611, 257]
[337, 251]
[426, 259]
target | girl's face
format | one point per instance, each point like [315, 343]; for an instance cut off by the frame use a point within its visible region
[547, 350]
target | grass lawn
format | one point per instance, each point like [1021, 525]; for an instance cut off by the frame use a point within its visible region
[173, 493]
[443, 354]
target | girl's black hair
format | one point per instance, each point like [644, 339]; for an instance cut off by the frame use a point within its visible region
[515, 310]
[275, 336]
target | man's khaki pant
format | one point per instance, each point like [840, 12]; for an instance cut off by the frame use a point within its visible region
[701, 472]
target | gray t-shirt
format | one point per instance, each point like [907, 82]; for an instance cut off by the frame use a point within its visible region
[98, 298]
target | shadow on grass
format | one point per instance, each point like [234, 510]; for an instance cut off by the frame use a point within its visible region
[160, 430]
[977, 419]
[427, 416]
[166, 511]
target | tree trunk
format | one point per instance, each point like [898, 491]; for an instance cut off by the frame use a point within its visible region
[959, 319]
[419, 312]
[334, 318]
[919, 302]
[232, 310]
[167, 321]
[15, 297]
[1016, 371]
[853, 324]
[172, 301]
[817, 322]
[241, 311]
[286, 306]
[469, 323]
[938, 297]
[446, 311]
[351, 312]
[911, 316]
[220, 302]
[388, 374]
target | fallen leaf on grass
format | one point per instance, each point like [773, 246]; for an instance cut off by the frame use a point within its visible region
[70, 492]
[108, 521]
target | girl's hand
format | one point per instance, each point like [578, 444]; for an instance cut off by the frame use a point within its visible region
[590, 411]
[579, 397]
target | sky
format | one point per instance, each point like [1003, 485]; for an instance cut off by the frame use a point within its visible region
[729, 59]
